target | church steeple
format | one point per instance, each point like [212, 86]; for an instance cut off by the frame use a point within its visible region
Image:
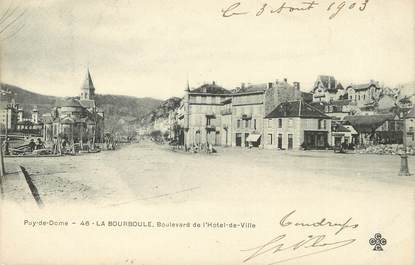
[88, 89]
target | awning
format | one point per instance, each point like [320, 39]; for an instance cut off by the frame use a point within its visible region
[253, 137]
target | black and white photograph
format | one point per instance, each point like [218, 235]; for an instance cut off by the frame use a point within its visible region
[217, 132]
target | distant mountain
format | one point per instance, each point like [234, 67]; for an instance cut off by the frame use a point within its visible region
[115, 107]
[27, 99]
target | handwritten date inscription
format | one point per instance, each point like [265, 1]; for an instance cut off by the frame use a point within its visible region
[333, 8]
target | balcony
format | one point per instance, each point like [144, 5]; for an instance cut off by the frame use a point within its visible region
[246, 116]
[226, 112]
[210, 115]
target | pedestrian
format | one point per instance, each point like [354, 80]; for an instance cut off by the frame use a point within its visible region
[64, 143]
[6, 147]
[32, 145]
[39, 144]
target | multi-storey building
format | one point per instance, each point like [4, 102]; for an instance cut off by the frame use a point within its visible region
[364, 95]
[250, 104]
[326, 89]
[295, 125]
[199, 116]
[8, 111]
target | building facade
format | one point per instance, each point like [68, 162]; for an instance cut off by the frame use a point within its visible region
[296, 125]
[76, 120]
[199, 116]
[326, 89]
[8, 111]
[250, 104]
[364, 95]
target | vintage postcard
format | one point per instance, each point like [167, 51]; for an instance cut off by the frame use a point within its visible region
[222, 132]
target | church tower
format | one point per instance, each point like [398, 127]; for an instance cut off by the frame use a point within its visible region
[88, 89]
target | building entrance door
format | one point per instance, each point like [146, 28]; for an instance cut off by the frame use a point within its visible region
[279, 141]
[238, 139]
[290, 141]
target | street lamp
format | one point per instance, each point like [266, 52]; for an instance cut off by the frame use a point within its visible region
[404, 171]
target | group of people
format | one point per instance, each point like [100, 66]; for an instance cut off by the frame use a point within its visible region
[36, 145]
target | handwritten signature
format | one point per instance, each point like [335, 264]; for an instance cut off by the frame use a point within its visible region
[277, 245]
[298, 249]
[235, 9]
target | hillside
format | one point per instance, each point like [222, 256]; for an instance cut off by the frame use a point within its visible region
[27, 99]
[115, 107]
[161, 111]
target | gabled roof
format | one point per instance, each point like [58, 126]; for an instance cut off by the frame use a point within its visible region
[326, 81]
[296, 109]
[69, 102]
[87, 103]
[250, 88]
[368, 123]
[337, 127]
[210, 89]
[365, 86]
[88, 84]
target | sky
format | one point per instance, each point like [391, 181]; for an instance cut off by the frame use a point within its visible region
[151, 48]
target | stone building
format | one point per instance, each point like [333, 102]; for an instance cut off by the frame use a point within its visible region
[199, 115]
[77, 120]
[364, 95]
[8, 111]
[326, 89]
[295, 125]
[251, 103]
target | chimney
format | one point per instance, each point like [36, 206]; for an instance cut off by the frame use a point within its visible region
[213, 82]
[285, 80]
[242, 85]
[296, 85]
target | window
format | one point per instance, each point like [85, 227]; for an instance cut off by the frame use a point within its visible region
[290, 122]
[279, 123]
[208, 122]
[350, 97]
[359, 97]
[321, 124]
[254, 124]
[238, 123]
[364, 97]
[203, 99]
[269, 138]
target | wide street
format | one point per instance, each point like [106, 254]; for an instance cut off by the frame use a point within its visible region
[151, 183]
[154, 173]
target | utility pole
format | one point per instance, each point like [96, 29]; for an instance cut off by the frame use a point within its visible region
[404, 171]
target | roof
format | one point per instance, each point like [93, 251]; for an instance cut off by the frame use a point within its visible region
[252, 88]
[296, 109]
[337, 127]
[327, 82]
[87, 103]
[368, 123]
[69, 102]
[364, 86]
[335, 103]
[210, 89]
[88, 84]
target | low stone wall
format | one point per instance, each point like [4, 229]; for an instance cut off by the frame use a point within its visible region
[385, 149]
